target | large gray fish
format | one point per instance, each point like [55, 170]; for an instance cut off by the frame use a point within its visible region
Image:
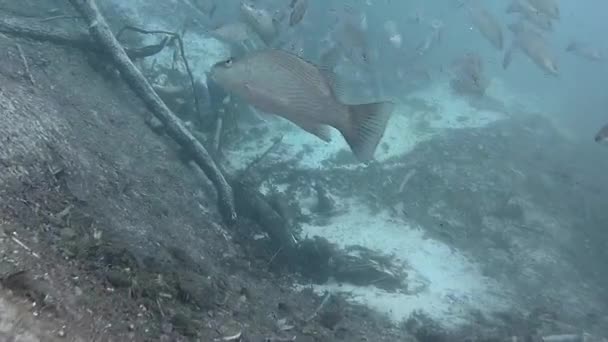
[521, 6]
[534, 45]
[486, 23]
[281, 83]
[531, 14]
[548, 7]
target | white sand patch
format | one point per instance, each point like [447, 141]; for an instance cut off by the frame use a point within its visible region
[453, 110]
[442, 282]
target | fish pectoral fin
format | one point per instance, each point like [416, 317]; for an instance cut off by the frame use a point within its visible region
[337, 88]
[321, 131]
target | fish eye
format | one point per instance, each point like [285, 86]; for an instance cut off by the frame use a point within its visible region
[228, 63]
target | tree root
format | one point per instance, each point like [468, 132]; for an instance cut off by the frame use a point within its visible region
[101, 32]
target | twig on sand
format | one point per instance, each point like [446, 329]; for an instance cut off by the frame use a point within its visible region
[25, 65]
[217, 135]
[24, 246]
[101, 32]
[280, 339]
[275, 255]
[235, 337]
[406, 179]
[321, 306]
[56, 17]
[261, 157]
[160, 307]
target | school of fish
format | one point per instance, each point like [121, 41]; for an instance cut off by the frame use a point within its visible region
[277, 71]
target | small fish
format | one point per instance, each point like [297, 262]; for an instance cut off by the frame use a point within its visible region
[417, 16]
[531, 14]
[521, 6]
[280, 14]
[548, 7]
[534, 45]
[487, 24]
[602, 136]
[233, 33]
[350, 34]
[540, 20]
[585, 51]
[298, 10]
[432, 39]
[394, 37]
[260, 20]
[284, 84]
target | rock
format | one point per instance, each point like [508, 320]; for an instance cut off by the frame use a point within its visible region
[118, 278]
[184, 325]
[330, 318]
[196, 289]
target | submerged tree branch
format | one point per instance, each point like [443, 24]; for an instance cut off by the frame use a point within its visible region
[32, 29]
[180, 42]
[101, 32]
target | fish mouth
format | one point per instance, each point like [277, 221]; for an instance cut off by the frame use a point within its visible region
[216, 64]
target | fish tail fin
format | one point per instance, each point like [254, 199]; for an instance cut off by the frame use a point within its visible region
[506, 61]
[367, 123]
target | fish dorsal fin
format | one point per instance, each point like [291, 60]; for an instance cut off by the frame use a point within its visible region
[336, 86]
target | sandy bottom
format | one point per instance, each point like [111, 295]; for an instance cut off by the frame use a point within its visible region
[443, 282]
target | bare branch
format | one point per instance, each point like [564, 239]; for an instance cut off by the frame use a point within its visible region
[101, 32]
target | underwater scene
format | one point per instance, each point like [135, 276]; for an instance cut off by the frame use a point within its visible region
[304, 170]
